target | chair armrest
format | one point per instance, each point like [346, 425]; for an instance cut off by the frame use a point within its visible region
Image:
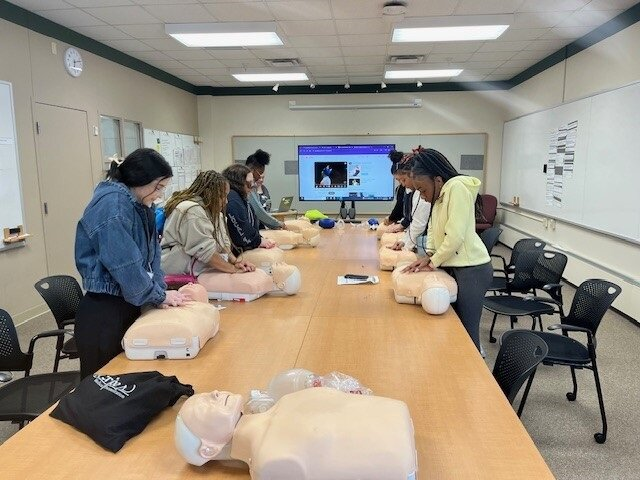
[66, 323]
[504, 262]
[570, 328]
[555, 290]
[543, 299]
[51, 333]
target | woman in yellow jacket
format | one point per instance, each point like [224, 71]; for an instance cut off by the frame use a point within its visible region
[452, 241]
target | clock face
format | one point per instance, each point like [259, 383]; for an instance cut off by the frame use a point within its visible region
[73, 62]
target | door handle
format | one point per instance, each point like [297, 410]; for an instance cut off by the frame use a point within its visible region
[46, 208]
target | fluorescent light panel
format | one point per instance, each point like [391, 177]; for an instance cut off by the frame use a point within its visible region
[270, 77]
[228, 34]
[452, 28]
[395, 74]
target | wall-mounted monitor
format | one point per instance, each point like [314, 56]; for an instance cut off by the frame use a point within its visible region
[345, 172]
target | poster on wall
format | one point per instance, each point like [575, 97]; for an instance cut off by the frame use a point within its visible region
[560, 161]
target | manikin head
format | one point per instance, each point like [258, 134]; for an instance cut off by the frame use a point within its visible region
[205, 425]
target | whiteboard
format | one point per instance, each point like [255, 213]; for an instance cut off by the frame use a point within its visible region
[285, 149]
[11, 210]
[181, 151]
[601, 192]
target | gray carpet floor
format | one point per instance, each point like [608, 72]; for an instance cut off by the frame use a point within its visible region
[562, 430]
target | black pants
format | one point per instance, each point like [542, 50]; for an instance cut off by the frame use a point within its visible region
[473, 283]
[101, 322]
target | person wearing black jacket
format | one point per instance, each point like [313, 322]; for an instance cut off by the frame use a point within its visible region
[242, 222]
[397, 213]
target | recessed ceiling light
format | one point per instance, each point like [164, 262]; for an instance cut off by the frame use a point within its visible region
[452, 28]
[395, 74]
[224, 34]
[270, 77]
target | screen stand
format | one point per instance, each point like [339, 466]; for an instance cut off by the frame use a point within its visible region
[348, 214]
[343, 210]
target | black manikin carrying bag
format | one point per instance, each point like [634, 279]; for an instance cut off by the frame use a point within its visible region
[111, 409]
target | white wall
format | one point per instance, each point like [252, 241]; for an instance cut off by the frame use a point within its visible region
[37, 75]
[608, 64]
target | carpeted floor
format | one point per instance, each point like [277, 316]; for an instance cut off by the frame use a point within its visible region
[562, 430]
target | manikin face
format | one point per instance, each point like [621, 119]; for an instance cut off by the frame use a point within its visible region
[149, 193]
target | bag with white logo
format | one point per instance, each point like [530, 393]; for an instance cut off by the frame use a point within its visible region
[111, 409]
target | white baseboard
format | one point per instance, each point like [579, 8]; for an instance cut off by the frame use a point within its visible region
[30, 314]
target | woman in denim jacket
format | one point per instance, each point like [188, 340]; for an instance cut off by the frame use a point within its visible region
[118, 256]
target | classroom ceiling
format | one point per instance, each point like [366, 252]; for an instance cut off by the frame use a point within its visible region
[337, 41]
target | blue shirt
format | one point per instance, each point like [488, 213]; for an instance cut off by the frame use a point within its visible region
[117, 249]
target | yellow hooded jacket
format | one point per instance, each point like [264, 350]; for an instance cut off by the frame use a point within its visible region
[451, 235]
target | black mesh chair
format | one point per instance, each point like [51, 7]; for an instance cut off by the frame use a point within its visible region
[498, 285]
[490, 237]
[534, 270]
[520, 353]
[62, 295]
[590, 303]
[23, 399]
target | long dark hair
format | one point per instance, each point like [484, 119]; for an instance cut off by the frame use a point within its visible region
[139, 168]
[396, 157]
[236, 175]
[259, 159]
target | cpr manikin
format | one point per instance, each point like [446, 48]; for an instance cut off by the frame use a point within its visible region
[389, 258]
[310, 434]
[387, 239]
[278, 278]
[434, 290]
[177, 332]
[288, 239]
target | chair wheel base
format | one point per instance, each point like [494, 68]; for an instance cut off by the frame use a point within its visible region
[492, 340]
[571, 397]
[600, 437]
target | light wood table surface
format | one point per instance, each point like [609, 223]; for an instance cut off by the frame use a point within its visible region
[465, 428]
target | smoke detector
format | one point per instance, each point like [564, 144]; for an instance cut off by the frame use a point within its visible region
[394, 8]
[403, 59]
[284, 62]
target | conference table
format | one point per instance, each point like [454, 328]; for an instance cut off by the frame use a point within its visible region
[464, 426]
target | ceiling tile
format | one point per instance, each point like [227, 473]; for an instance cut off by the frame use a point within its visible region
[230, 53]
[521, 34]
[327, 70]
[165, 2]
[226, 80]
[314, 41]
[589, 18]
[497, 46]
[196, 79]
[182, 71]
[497, 77]
[71, 17]
[476, 71]
[431, 7]
[214, 71]
[318, 27]
[203, 63]
[165, 44]
[319, 52]
[146, 30]
[333, 80]
[471, 77]
[485, 7]
[517, 64]
[162, 63]
[456, 47]
[368, 60]
[363, 51]
[364, 40]
[181, 13]
[153, 56]
[552, 45]
[538, 19]
[275, 52]
[410, 49]
[491, 56]
[610, 4]
[307, 10]
[448, 57]
[551, 5]
[323, 61]
[36, 5]
[242, 62]
[195, 54]
[99, 3]
[531, 55]
[128, 45]
[364, 26]
[365, 69]
[568, 33]
[344, 9]
[122, 15]
[240, 12]
[482, 65]
[102, 32]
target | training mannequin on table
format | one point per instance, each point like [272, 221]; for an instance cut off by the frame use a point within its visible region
[434, 289]
[297, 233]
[315, 433]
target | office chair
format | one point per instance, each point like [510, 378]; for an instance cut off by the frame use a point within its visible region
[489, 210]
[499, 281]
[23, 399]
[592, 300]
[62, 295]
[533, 270]
[490, 237]
[520, 353]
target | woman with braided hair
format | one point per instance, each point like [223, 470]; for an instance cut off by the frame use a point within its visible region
[195, 235]
[452, 241]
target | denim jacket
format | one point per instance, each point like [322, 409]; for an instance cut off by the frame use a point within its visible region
[117, 249]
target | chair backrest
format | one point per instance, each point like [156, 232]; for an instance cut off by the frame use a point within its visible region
[490, 237]
[525, 245]
[549, 268]
[489, 207]
[523, 278]
[62, 294]
[11, 357]
[520, 353]
[590, 303]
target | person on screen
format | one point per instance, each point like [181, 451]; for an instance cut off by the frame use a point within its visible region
[259, 198]
[326, 175]
[195, 234]
[118, 256]
[397, 213]
[242, 222]
[452, 241]
[356, 171]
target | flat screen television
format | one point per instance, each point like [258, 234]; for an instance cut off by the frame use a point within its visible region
[345, 172]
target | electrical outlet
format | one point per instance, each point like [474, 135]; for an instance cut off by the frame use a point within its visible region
[552, 224]
[545, 222]
[95, 131]
[54, 48]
